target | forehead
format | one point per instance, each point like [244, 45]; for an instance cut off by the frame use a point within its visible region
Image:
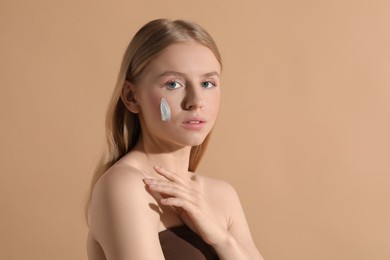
[186, 58]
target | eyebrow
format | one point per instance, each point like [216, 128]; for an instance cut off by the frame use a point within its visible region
[176, 73]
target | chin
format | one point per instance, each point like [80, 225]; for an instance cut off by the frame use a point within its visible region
[188, 138]
[193, 141]
[196, 143]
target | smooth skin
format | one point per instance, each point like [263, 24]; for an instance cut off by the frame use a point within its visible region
[150, 189]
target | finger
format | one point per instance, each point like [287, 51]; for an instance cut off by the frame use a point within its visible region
[149, 181]
[170, 190]
[168, 174]
[174, 202]
[180, 205]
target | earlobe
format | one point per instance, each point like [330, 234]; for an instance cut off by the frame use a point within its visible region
[128, 98]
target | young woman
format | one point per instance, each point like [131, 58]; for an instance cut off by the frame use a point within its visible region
[146, 202]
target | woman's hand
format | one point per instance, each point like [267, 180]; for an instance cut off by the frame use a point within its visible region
[184, 192]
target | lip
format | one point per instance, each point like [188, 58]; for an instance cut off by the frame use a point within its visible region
[194, 123]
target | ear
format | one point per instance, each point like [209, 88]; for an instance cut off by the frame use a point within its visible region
[128, 98]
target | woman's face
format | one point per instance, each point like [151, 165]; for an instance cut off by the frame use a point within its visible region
[187, 75]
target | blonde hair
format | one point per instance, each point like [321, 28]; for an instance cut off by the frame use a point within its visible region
[122, 126]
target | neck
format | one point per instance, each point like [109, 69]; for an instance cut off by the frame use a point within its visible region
[175, 159]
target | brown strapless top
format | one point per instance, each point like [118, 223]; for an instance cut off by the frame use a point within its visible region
[181, 243]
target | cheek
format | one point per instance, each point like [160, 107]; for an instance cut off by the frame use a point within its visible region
[152, 107]
[215, 102]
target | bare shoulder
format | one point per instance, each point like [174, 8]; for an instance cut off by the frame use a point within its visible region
[122, 189]
[218, 189]
[121, 183]
[119, 178]
[122, 219]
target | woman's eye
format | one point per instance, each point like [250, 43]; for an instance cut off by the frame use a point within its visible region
[208, 84]
[173, 84]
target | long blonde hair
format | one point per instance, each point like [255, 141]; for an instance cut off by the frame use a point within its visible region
[123, 127]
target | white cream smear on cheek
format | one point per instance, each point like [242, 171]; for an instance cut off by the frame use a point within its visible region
[165, 110]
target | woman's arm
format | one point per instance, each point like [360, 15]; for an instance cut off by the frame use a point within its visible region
[240, 236]
[122, 220]
[186, 193]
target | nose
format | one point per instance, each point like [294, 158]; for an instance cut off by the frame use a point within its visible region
[194, 98]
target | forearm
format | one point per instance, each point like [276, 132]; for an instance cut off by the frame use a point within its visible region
[230, 249]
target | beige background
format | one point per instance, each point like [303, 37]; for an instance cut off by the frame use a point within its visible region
[303, 132]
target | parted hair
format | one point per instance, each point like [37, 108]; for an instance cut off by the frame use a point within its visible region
[122, 126]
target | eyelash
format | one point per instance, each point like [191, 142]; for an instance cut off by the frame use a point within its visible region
[212, 84]
[169, 84]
